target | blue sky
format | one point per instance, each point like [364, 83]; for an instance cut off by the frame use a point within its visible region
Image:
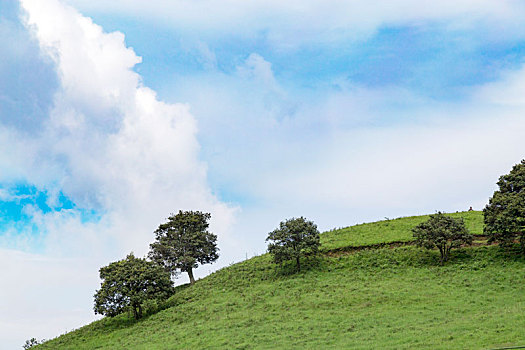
[113, 115]
[437, 61]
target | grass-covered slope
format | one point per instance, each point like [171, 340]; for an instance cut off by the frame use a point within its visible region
[390, 230]
[387, 298]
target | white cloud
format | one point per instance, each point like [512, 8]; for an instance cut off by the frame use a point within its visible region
[289, 24]
[120, 150]
[110, 146]
[50, 297]
[257, 68]
[7, 195]
[346, 153]
[507, 92]
[337, 154]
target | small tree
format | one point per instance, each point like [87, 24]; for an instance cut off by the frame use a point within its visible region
[32, 342]
[442, 232]
[127, 284]
[184, 242]
[294, 238]
[504, 216]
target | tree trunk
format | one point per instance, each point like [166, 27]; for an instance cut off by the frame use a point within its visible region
[190, 273]
[298, 260]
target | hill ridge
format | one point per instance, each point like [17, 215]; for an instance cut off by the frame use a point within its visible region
[390, 298]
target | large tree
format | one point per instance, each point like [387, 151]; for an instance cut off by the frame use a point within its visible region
[293, 239]
[183, 242]
[442, 232]
[504, 216]
[127, 284]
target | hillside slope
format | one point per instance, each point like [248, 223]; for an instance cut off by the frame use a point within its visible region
[386, 298]
[389, 230]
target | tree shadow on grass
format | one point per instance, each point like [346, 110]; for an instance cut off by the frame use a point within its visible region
[475, 258]
[412, 256]
[150, 307]
[289, 268]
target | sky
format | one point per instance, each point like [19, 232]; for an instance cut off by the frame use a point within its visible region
[115, 114]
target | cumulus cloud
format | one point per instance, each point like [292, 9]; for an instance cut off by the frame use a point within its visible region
[115, 150]
[337, 153]
[111, 145]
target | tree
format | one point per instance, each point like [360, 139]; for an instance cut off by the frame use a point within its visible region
[32, 342]
[294, 238]
[127, 284]
[183, 242]
[504, 216]
[442, 232]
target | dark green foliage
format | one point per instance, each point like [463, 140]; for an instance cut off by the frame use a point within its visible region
[130, 283]
[32, 342]
[504, 216]
[373, 299]
[184, 242]
[294, 238]
[442, 232]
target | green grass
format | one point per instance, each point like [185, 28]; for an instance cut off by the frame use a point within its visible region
[385, 298]
[393, 230]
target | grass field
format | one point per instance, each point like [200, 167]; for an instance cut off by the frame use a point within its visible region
[393, 230]
[385, 298]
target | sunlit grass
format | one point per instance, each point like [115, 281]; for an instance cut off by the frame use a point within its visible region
[372, 299]
[393, 230]
[388, 298]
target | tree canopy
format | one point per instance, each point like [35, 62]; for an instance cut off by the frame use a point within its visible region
[32, 342]
[504, 215]
[127, 284]
[294, 238]
[183, 242]
[442, 232]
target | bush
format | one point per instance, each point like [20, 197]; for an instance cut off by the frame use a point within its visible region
[130, 283]
[294, 238]
[442, 232]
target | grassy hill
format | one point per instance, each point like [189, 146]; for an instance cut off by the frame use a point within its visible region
[389, 230]
[382, 298]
